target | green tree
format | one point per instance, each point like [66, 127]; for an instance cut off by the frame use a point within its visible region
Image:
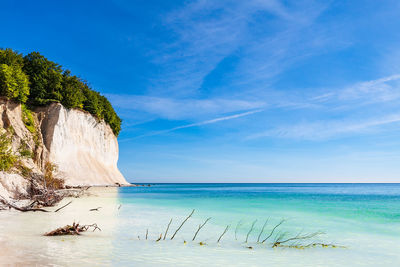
[14, 83]
[11, 57]
[72, 95]
[45, 77]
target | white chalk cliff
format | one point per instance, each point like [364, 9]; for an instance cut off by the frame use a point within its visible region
[84, 149]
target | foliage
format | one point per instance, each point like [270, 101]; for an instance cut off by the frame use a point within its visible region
[52, 182]
[45, 77]
[14, 83]
[27, 118]
[38, 81]
[7, 159]
[24, 150]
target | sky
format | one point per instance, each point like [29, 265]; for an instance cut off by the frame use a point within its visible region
[233, 91]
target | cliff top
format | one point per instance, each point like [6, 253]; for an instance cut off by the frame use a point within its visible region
[37, 81]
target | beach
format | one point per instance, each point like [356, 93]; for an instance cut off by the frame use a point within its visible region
[126, 214]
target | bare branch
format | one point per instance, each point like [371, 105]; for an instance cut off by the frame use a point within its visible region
[251, 230]
[240, 223]
[166, 230]
[200, 226]
[280, 240]
[273, 229]
[187, 218]
[63, 206]
[262, 230]
[226, 230]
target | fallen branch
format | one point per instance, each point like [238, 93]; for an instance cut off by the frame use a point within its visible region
[166, 230]
[63, 206]
[187, 218]
[279, 240]
[200, 226]
[273, 229]
[240, 223]
[23, 209]
[251, 230]
[262, 230]
[74, 229]
[226, 230]
[159, 238]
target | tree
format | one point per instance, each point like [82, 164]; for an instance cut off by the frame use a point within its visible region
[71, 92]
[45, 77]
[11, 58]
[14, 83]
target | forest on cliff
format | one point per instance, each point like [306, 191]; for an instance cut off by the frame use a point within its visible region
[34, 80]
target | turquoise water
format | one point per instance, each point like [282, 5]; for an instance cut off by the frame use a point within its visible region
[362, 220]
[368, 205]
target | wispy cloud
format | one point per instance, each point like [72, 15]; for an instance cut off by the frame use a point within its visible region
[322, 130]
[225, 118]
[182, 108]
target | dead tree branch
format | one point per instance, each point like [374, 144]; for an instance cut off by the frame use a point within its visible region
[63, 206]
[273, 230]
[200, 226]
[226, 230]
[74, 229]
[187, 218]
[95, 209]
[280, 239]
[251, 230]
[23, 209]
[262, 230]
[166, 230]
[240, 223]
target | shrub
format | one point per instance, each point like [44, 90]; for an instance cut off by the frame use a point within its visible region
[52, 182]
[7, 159]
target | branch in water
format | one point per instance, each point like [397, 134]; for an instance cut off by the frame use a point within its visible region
[226, 230]
[187, 218]
[200, 226]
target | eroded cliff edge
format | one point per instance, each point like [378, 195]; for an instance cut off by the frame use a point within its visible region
[83, 148]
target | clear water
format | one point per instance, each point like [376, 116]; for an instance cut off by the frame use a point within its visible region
[363, 219]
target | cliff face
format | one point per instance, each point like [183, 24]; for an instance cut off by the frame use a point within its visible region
[84, 150]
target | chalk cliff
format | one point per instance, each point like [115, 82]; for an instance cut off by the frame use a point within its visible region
[83, 148]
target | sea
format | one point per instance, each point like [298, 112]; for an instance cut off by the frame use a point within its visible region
[230, 224]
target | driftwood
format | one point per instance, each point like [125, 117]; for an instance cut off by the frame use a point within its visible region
[166, 230]
[273, 229]
[200, 226]
[251, 230]
[237, 228]
[74, 229]
[159, 238]
[280, 238]
[226, 230]
[187, 218]
[23, 209]
[262, 230]
[63, 206]
[95, 209]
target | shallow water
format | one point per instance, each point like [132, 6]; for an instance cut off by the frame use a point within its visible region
[363, 218]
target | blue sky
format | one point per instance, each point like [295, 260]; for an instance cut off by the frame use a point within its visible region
[233, 91]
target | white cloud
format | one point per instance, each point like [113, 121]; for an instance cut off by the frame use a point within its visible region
[180, 109]
[322, 130]
[212, 121]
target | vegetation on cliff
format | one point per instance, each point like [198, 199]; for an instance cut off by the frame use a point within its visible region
[35, 80]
